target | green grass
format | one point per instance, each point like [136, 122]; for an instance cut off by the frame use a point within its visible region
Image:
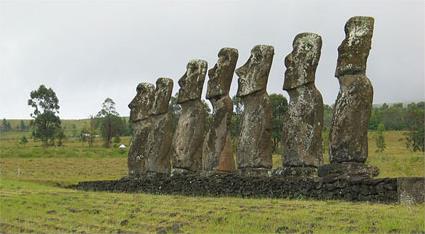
[36, 207]
[10, 148]
[32, 201]
[396, 160]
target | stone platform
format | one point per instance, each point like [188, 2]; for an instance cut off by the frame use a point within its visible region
[386, 190]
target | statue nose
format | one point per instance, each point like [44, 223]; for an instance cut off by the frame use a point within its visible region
[288, 60]
[241, 71]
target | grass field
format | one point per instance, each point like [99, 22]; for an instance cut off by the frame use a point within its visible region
[32, 198]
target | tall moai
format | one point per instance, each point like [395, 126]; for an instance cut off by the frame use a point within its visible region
[303, 122]
[348, 146]
[190, 131]
[254, 152]
[140, 108]
[217, 155]
[159, 141]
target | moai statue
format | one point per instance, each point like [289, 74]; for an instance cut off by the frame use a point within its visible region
[302, 123]
[190, 131]
[158, 144]
[348, 147]
[217, 155]
[140, 108]
[254, 152]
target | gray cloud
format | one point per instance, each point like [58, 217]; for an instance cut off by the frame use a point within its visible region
[89, 50]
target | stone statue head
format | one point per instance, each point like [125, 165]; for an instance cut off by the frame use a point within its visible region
[164, 88]
[302, 62]
[354, 49]
[220, 76]
[253, 75]
[140, 106]
[192, 82]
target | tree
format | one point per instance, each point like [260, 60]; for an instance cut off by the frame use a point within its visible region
[23, 140]
[92, 131]
[5, 126]
[279, 108]
[110, 122]
[327, 116]
[60, 136]
[22, 126]
[415, 121]
[127, 127]
[379, 138]
[175, 110]
[235, 121]
[46, 123]
[236, 117]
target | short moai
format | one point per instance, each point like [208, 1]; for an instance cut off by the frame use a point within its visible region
[159, 141]
[190, 131]
[217, 155]
[348, 146]
[140, 108]
[254, 151]
[303, 122]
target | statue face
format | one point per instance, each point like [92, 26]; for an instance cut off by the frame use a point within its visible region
[253, 75]
[354, 49]
[192, 81]
[164, 87]
[141, 104]
[302, 62]
[220, 76]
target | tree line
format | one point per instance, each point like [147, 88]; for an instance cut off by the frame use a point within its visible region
[6, 126]
[107, 123]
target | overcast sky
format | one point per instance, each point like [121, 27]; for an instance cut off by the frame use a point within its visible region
[89, 50]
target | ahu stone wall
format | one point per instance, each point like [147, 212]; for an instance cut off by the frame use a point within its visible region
[385, 190]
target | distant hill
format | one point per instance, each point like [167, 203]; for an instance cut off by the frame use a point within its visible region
[393, 103]
[72, 126]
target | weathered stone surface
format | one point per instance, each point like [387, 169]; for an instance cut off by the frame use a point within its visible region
[255, 145]
[354, 49]
[411, 190]
[140, 108]
[220, 76]
[187, 141]
[217, 155]
[292, 171]
[303, 122]
[137, 152]
[192, 81]
[254, 152]
[189, 136]
[348, 169]
[302, 62]
[351, 189]
[163, 91]
[348, 133]
[158, 144]
[217, 152]
[254, 74]
[160, 137]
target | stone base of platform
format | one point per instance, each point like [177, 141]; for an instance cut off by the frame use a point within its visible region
[387, 190]
[349, 169]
